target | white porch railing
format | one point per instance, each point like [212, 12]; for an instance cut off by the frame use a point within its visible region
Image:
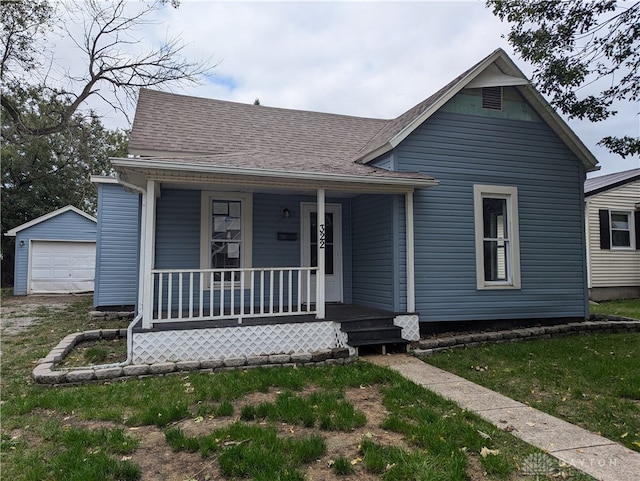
[211, 294]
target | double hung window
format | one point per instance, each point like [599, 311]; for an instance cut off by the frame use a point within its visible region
[619, 229]
[621, 224]
[496, 233]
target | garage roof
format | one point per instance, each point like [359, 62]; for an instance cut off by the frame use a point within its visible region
[50, 215]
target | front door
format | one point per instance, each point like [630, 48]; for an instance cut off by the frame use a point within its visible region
[333, 248]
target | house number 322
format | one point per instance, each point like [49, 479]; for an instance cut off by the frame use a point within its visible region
[322, 236]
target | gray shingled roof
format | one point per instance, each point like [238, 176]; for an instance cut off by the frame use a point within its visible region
[166, 122]
[171, 127]
[610, 181]
[189, 131]
[395, 126]
[169, 123]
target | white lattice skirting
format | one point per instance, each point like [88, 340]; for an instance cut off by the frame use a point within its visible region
[410, 326]
[234, 342]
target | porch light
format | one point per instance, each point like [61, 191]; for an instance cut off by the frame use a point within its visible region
[21, 243]
[286, 213]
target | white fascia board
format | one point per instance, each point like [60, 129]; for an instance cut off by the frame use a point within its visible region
[50, 215]
[404, 133]
[557, 124]
[512, 73]
[492, 76]
[103, 179]
[376, 153]
[280, 175]
[560, 127]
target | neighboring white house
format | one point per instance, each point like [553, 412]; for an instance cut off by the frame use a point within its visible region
[613, 235]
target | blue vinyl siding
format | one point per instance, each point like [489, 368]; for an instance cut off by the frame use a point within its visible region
[68, 226]
[462, 150]
[178, 233]
[400, 255]
[268, 251]
[387, 162]
[373, 253]
[379, 255]
[178, 230]
[118, 246]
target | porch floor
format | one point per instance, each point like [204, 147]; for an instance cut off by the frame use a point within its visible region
[342, 313]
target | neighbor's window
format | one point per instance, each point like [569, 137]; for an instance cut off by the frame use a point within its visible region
[225, 231]
[620, 229]
[497, 243]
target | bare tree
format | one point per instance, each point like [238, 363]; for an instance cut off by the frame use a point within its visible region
[109, 43]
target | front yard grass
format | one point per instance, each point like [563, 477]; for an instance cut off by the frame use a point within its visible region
[349, 422]
[624, 308]
[591, 380]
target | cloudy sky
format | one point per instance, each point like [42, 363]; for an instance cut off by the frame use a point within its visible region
[373, 59]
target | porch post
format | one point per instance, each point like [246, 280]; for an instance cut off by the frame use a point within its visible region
[141, 247]
[320, 287]
[148, 254]
[411, 293]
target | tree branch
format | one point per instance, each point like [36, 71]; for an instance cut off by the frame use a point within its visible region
[107, 36]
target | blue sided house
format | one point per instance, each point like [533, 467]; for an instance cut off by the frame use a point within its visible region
[253, 230]
[55, 253]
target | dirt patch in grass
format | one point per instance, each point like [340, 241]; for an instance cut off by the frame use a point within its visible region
[20, 312]
[158, 462]
[58, 409]
[103, 351]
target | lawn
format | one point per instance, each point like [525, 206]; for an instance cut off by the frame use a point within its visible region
[591, 380]
[350, 422]
[625, 308]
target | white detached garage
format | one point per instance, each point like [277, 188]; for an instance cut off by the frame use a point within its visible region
[55, 253]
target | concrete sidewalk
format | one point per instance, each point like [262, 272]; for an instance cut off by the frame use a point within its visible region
[599, 457]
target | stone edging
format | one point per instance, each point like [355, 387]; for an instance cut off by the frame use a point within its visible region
[110, 315]
[45, 372]
[596, 323]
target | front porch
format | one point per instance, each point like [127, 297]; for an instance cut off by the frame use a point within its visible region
[247, 264]
[345, 326]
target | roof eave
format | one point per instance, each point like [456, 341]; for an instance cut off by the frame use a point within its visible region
[50, 215]
[613, 185]
[321, 177]
[560, 127]
[472, 74]
[538, 101]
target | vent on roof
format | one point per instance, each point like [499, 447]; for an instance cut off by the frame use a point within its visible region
[492, 98]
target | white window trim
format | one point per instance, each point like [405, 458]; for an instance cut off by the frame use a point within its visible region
[513, 263]
[632, 233]
[206, 217]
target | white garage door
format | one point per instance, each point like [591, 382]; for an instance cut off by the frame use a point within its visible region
[60, 267]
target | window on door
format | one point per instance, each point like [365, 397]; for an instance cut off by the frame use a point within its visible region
[329, 246]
